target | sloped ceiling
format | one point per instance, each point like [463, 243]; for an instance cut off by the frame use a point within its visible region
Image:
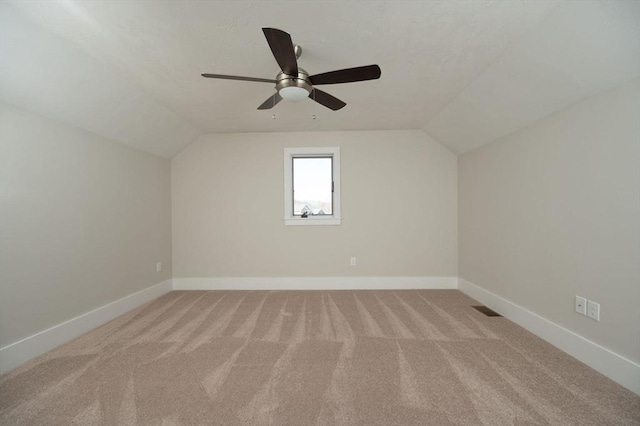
[466, 72]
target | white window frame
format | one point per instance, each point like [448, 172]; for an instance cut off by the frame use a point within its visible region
[306, 152]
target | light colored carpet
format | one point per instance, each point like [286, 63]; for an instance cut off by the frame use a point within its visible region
[420, 357]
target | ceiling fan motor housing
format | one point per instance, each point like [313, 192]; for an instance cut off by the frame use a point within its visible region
[288, 86]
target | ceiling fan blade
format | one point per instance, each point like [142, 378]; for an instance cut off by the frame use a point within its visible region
[326, 99]
[348, 75]
[282, 49]
[237, 77]
[271, 102]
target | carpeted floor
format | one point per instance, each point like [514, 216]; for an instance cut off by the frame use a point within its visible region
[422, 357]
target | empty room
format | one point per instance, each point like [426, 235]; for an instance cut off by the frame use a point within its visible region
[320, 212]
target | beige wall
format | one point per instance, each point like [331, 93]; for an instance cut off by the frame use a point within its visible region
[83, 222]
[398, 208]
[553, 211]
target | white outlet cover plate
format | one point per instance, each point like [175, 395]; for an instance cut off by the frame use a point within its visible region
[593, 310]
[581, 305]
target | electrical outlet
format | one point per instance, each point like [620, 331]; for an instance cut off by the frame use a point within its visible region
[593, 310]
[353, 261]
[581, 305]
[158, 266]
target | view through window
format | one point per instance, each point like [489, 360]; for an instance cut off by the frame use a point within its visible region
[312, 186]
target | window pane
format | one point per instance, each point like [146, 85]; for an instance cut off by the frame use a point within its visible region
[312, 186]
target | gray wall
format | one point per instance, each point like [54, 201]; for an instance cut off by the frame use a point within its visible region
[399, 208]
[553, 211]
[83, 222]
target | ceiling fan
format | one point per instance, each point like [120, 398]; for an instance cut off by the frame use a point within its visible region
[293, 83]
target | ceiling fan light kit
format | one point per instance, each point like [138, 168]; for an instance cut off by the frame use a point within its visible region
[294, 89]
[295, 84]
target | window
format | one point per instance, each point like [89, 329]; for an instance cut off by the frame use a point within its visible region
[312, 186]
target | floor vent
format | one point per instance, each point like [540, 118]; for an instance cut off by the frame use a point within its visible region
[488, 312]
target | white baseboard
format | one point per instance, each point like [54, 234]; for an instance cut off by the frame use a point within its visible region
[22, 351]
[601, 359]
[314, 283]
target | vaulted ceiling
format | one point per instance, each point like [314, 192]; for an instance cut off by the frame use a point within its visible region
[465, 72]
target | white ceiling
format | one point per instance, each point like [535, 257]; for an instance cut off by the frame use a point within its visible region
[466, 72]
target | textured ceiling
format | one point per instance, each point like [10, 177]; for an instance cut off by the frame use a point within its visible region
[466, 72]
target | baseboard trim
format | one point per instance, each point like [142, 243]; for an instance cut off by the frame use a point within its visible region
[22, 351]
[617, 368]
[314, 283]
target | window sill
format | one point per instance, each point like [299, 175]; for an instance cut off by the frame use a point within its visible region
[313, 221]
